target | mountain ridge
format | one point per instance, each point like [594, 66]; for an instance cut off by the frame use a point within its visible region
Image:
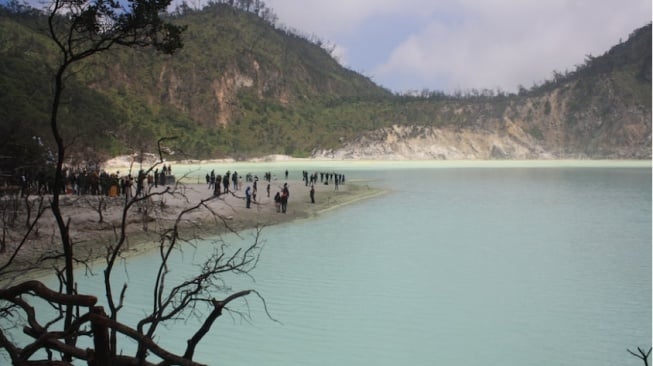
[242, 88]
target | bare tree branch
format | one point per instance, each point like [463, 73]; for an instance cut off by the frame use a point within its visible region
[44, 292]
[642, 355]
[80, 30]
[30, 229]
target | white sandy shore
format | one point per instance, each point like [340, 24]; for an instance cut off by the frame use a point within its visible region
[91, 237]
[285, 161]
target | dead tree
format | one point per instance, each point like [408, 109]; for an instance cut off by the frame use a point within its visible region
[17, 240]
[98, 206]
[103, 326]
[642, 355]
[81, 29]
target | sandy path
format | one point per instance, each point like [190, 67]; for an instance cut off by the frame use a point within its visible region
[91, 237]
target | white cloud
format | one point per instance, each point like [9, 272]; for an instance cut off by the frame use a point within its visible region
[472, 43]
[330, 18]
[500, 44]
[336, 51]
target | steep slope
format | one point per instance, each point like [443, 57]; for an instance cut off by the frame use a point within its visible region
[242, 87]
[601, 110]
[231, 58]
[239, 87]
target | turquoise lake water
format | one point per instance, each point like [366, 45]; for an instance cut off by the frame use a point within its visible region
[453, 266]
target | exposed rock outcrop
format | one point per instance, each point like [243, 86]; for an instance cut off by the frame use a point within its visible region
[430, 143]
[565, 123]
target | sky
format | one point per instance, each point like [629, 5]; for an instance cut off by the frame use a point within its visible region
[459, 45]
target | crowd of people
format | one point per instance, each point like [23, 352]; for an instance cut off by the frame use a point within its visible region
[100, 182]
[93, 182]
[325, 178]
[228, 182]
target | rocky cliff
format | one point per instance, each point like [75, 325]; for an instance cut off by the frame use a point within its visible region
[606, 115]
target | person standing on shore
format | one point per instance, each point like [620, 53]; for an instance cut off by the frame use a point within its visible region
[285, 194]
[216, 185]
[248, 196]
[277, 201]
[128, 186]
[255, 190]
[225, 182]
[312, 193]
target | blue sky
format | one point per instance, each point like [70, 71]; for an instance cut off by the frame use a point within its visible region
[451, 45]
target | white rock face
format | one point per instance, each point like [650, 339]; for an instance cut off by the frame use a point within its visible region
[429, 143]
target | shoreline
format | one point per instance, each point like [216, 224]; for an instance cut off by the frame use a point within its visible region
[284, 161]
[90, 237]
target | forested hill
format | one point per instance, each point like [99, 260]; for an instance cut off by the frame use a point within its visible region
[244, 87]
[239, 87]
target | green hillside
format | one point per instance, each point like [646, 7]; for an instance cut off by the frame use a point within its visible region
[241, 87]
[268, 82]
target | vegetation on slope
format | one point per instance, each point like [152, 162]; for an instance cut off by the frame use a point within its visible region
[243, 87]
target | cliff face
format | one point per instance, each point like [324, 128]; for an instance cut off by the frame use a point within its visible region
[600, 111]
[427, 143]
[550, 126]
[432, 143]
